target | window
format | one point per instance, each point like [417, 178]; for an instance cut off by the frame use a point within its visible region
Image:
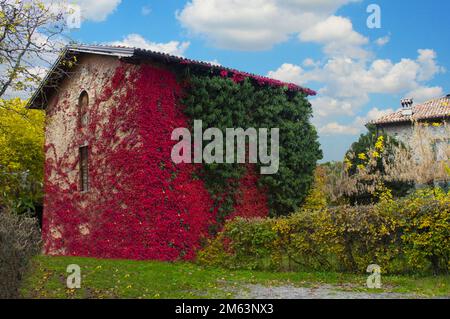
[84, 168]
[83, 104]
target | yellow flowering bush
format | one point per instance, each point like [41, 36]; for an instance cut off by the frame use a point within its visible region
[411, 235]
[379, 145]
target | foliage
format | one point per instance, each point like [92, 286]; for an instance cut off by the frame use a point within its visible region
[21, 156]
[320, 195]
[357, 155]
[366, 163]
[270, 244]
[403, 236]
[146, 207]
[377, 163]
[222, 103]
[425, 223]
[19, 242]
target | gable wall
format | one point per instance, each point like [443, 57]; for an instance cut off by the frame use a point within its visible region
[404, 133]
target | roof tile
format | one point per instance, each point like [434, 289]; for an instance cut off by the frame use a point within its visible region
[433, 109]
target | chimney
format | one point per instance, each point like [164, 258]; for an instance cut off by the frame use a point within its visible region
[407, 107]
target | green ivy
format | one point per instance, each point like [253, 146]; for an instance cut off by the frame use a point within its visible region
[221, 103]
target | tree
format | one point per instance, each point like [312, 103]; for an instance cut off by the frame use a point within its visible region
[21, 156]
[366, 162]
[30, 34]
[365, 175]
[356, 157]
[336, 183]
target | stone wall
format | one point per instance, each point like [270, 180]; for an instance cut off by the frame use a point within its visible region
[139, 205]
[404, 133]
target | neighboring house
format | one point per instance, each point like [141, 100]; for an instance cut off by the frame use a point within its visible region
[111, 189]
[435, 114]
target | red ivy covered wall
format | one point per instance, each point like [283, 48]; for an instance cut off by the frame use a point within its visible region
[140, 205]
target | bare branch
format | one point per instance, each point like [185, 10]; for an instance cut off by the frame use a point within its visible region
[31, 34]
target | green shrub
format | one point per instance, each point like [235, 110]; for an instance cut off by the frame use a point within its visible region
[20, 240]
[364, 235]
[403, 236]
[242, 244]
[21, 156]
[366, 161]
[424, 221]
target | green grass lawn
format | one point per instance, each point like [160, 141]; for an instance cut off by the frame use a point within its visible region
[149, 279]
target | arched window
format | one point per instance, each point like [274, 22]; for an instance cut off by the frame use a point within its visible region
[83, 105]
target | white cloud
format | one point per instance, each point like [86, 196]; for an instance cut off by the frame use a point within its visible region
[138, 41]
[347, 83]
[309, 63]
[289, 73]
[346, 79]
[97, 10]
[335, 128]
[376, 113]
[254, 24]
[146, 10]
[383, 40]
[423, 93]
[429, 67]
[338, 37]
[355, 127]
[326, 106]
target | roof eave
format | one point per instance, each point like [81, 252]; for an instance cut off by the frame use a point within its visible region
[40, 97]
[38, 94]
[445, 117]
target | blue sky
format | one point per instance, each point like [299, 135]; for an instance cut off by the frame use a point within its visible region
[360, 73]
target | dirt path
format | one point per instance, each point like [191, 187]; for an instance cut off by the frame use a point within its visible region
[318, 292]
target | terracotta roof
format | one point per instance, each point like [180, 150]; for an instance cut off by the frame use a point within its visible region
[53, 78]
[435, 109]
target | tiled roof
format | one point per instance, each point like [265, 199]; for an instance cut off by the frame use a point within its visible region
[435, 109]
[51, 81]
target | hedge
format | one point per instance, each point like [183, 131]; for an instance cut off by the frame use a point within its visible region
[411, 235]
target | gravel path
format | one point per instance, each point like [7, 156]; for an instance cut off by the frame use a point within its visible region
[320, 292]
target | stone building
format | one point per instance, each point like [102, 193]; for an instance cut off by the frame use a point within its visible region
[111, 190]
[435, 114]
